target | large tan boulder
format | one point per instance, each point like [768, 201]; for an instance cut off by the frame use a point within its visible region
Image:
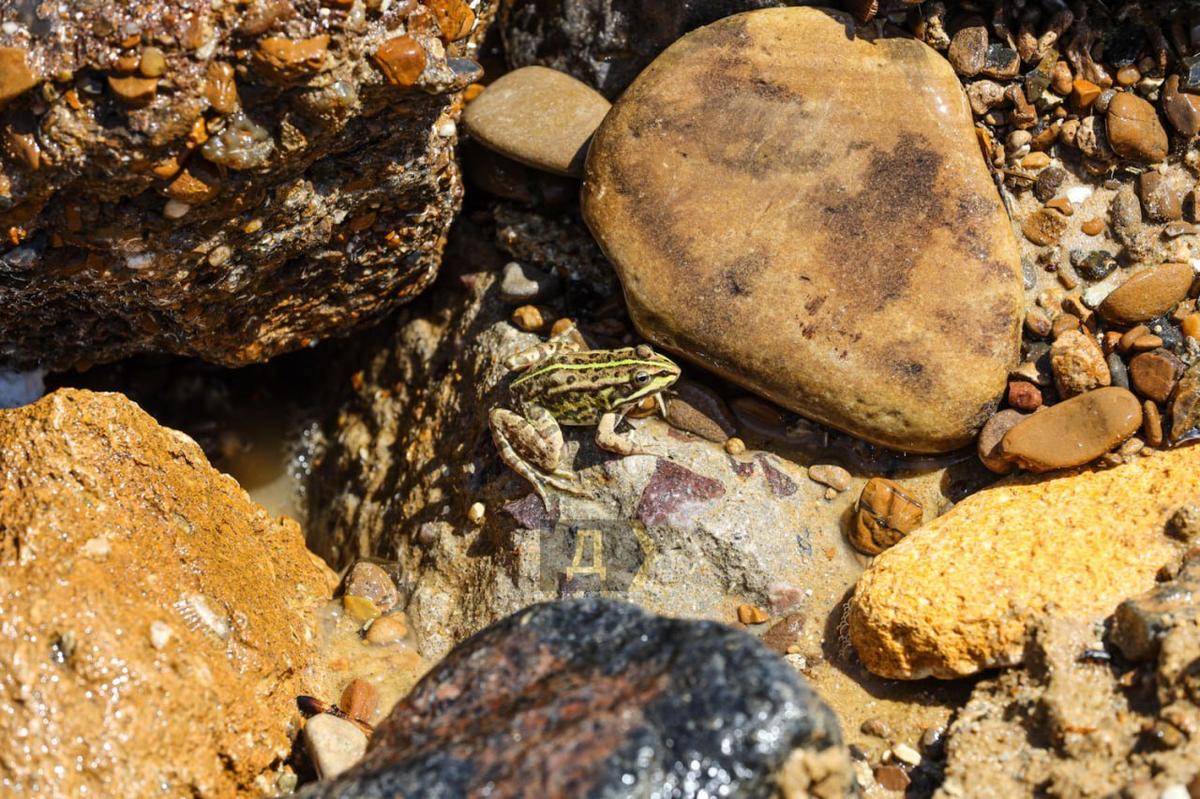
[805, 211]
[156, 622]
[956, 596]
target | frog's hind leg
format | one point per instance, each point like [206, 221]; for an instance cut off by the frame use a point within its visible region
[570, 340]
[531, 447]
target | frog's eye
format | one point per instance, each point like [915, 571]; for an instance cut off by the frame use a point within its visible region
[641, 378]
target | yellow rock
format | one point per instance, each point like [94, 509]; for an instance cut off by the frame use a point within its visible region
[954, 597]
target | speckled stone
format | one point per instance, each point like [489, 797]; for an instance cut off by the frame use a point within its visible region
[598, 698]
[954, 597]
[538, 116]
[818, 291]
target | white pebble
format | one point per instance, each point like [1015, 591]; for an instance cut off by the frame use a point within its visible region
[96, 548]
[447, 129]
[906, 754]
[1175, 792]
[1077, 194]
[1095, 295]
[21, 388]
[334, 744]
[476, 512]
[175, 209]
[160, 634]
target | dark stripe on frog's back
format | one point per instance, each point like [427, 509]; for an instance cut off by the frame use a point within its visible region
[578, 388]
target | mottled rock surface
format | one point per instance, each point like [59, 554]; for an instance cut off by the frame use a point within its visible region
[158, 624]
[227, 181]
[954, 597]
[604, 43]
[869, 280]
[597, 698]
[1079, 720]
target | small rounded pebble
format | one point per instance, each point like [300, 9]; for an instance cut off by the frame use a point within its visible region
[528, 318]
[892, 778]
[1075, 431]
[1154, 374]
[883, 515]
[476, 512]
[1134, 130]
[735, 446]
[387, 630]
[370, 581]
[1078, 363]
[1044, 227]
[1184, 523]
[906, 754]
[991, 436]
[1191, 325]
[520, 283]
[1024, 396]
[359, 700]
[876, 728]
[359, 608]
[1152, 428]
[1093, 226]
[1148, 294]
[833, 476]
[749, 614]
[333, 744]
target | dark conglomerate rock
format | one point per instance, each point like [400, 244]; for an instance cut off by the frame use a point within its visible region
[605, 43]
[229, 181]
[598, 698]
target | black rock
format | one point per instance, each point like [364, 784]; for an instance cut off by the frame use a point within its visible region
[1096, 265]
[597, 698]
[605, 43]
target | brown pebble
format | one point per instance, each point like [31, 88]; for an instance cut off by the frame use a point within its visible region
[1078, 363]
[455, 19]
[892, 778]
[968, 50]
[1110, 342]
[1064, 322]
[749, 614]
[1062, 205]
[1147, 294]
[1061, 79]
[1146, 343]
[1038, 323]
[1130, 336]
[152, 64]
[133, 90]
[884, 514]
[1036, 160]
[785, 634]
[1024, 396]
[1191, 325]
[698, 409]
[991, 436]
[1128, 75]
[1153, 374]
[1134, 130]
[1152, 429]
[220, 89]
[284, 60]
[1044, 227]
[1159, 199]
[401, 60]
[529, 318]
[830, 475]
[196, 184]
[369, 580]
[1182, 109]
[15, 75]
[1084, 93]
[876, 728]
[735, 446]
[359, 700]
[1075, 431]
[1093, 227]
[387, 630]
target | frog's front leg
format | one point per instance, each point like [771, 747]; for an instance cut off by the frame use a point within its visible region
[607, 437]
[531, 445]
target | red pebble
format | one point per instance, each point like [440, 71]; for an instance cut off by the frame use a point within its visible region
[1024, 396]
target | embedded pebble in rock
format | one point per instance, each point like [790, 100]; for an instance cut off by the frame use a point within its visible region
[1044, 227]
[1160, 200]
[609, 701]
[835, 477]
[1134, 130]
[1153, 374]
[334, 744]
[370, 581]
[1147, 294]
[147, 604]
[1141, 623]
[540, 117]
[824, 304]
[1078, 363]
[522, 283]
[885, 513]
[1075, 431]
[1185, 407]
[991, 437]
[955, 596]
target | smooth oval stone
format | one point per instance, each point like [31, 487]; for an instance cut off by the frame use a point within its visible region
[1074, 432]
[1148, 294]
[540, 117]
[1134, 130]
[777, 216]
